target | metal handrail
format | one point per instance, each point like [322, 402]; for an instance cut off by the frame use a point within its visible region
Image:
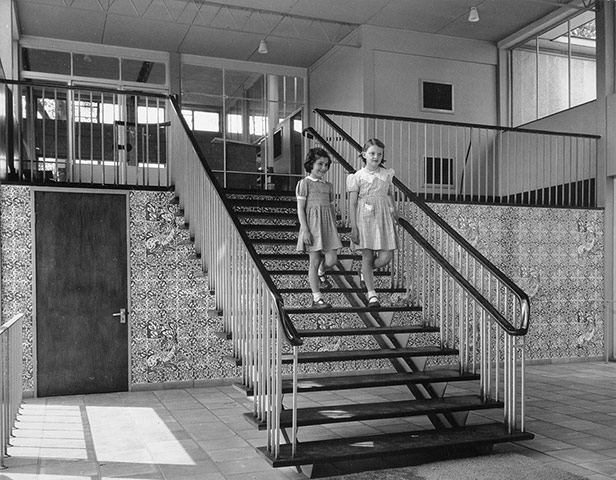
[44, 84]
[11, 379]
[324, 112]
[289, 330]
[523, 298]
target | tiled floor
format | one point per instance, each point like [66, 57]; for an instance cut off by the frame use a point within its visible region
[200, 433]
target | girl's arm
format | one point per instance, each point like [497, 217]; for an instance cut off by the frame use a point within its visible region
[353, 197]
[392, 204]
[304, 231]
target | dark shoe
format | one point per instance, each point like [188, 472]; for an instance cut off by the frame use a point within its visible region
[320, 303]
[373, 302]
[324, 283]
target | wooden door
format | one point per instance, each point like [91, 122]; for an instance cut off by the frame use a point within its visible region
[81, 282]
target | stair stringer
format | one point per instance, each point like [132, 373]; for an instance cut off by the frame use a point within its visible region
[426, 392]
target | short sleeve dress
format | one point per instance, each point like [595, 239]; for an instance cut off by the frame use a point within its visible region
[375, 222]
[320, 215]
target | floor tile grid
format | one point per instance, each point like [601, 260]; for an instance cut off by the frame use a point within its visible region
[201, 433]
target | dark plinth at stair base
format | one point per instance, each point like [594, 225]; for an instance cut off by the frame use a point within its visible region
[416, 441]
[426, 387]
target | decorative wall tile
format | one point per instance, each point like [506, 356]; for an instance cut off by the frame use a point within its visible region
[555, 255]
[17, 258]
[173, 339]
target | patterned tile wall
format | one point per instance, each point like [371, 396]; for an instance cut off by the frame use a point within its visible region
[555, 255]
[172, 337]
[17, 256]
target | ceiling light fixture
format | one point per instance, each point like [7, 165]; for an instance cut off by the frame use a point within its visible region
[262, 47]
[473, 15]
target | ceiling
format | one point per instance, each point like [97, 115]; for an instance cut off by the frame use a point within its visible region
[298, 32]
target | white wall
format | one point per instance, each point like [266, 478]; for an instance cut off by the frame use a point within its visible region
[382, 76]
[580, 119]
[335, 81]
[400, 59]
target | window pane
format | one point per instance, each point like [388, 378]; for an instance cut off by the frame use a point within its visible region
[46, 61]
[234, 124]
[150, 114]
[198, 80]
[243, 84]
[188, 116]
[553, 88]
[523, 86]
[559, 74]
[95, 66]
[143, 71]
[206, 121]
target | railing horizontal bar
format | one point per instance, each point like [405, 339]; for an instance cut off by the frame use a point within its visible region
[453, 124]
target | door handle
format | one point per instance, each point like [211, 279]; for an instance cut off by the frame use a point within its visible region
[122, 314]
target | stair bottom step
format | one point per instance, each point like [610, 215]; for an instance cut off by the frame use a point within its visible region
[355, 448]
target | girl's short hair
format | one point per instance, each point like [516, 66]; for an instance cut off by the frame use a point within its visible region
[373, 141]
[313, 155]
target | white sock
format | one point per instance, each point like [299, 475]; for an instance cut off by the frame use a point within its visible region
[371, 293]
[317, 296]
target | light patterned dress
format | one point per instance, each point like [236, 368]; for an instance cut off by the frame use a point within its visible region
[374, 219]
[320, 215]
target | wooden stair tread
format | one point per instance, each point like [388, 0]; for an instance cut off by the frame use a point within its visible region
[373, 380]
[307, 290]
[369, 354]
[263, 202]
[303, 256]
[355, 448]
[275, 227]
[285, 241]
[256, 192]
[340, 332]
[364, 309]
[358, 412]
[337, 332]
[271, 215]
[377, 273]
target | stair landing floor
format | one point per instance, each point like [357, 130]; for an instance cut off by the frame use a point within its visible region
[197, 433]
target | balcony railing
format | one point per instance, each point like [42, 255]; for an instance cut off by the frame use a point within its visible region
[87, 136]
[457, 162]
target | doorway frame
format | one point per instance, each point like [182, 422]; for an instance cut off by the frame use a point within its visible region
[126, 194]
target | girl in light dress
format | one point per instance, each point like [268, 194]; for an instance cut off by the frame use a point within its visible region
[372, 214]
[318, 234]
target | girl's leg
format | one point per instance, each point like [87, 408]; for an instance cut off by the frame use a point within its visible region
[329, 260]
[383, 258]
[331, 257]
[367, 262]
[313, 279]
[313, 276]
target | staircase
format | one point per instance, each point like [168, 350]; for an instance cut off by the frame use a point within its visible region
[355, 350]
[448, 342]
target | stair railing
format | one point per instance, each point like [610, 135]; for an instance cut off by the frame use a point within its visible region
[463, 162]
[253, 310]
[478, 309]
[11, 382]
